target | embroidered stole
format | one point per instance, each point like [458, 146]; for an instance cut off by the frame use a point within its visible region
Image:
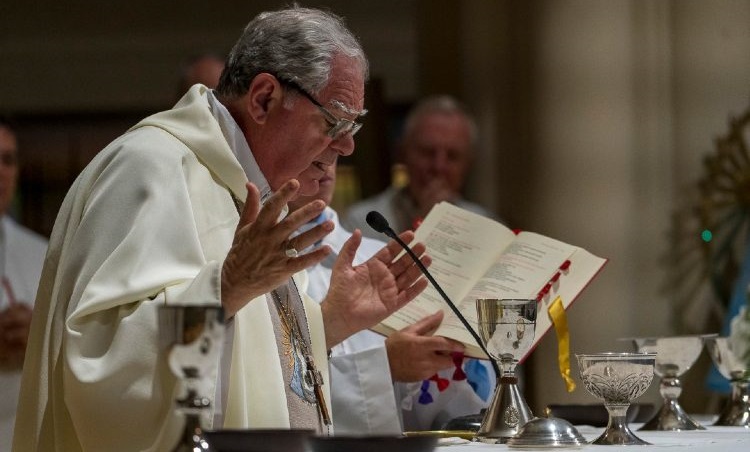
[301, 379]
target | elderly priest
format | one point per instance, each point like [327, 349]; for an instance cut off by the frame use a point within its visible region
[188, 206]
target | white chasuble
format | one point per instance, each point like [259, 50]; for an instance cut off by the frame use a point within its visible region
[148, 222]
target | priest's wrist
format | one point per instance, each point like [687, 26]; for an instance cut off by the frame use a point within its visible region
[335, 325]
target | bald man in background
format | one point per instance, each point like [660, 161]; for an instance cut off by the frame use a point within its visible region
[437, 149]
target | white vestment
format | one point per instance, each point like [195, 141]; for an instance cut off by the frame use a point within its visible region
[365, 399]
[21, 258]
[147, 223]
[362, 392]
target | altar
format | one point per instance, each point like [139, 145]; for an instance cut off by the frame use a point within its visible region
[713, 439]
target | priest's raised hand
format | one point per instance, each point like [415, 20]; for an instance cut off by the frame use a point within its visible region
[262, 256]
[361, 296]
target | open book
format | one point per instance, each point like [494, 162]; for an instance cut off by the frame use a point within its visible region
[477, 257]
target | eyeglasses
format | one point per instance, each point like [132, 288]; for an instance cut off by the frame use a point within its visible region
[338, 127]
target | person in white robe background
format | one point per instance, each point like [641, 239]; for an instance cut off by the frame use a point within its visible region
[187, 207]
[372, 377]
[21, 258]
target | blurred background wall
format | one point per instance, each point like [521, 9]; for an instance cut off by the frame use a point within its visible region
[595, 117]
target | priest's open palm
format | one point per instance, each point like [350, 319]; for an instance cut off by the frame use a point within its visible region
[263, 255]
[361, 296]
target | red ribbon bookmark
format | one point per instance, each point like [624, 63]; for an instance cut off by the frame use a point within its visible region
[547, 287]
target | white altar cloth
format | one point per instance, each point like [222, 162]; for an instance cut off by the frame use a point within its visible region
[713, 439]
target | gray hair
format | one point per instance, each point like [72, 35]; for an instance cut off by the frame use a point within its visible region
[297, 44]
[440, 104]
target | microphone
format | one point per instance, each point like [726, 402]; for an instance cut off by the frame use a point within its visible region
[378, 222]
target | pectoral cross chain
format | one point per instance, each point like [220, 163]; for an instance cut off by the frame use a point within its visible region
[315, 378]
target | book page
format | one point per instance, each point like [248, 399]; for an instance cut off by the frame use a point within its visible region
[521, 271]
[462, 245]
[524, 267]
[584, 267]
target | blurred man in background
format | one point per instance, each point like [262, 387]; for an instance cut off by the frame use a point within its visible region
[437, 149]
[21, 258]
[204, 69]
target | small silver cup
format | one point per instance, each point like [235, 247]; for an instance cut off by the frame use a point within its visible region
[617, 379]
[191, 337]
[732, 367]
[674, 356]
[506, 328]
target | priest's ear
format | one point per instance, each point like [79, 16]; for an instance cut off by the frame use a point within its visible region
[264, 94]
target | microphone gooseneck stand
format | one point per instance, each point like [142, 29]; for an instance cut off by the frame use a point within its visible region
[508, 411]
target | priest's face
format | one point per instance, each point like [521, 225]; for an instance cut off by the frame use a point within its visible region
[311, 137]
[327, 186]
[8, 167]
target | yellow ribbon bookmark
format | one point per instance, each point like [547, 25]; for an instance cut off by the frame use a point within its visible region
[556, 312]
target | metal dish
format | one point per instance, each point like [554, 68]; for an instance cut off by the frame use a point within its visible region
[547, 433]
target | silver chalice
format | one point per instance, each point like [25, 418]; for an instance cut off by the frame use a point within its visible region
[506, 328]
[191, 337]
[732, 367]
[617, 379]
[674, 356]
